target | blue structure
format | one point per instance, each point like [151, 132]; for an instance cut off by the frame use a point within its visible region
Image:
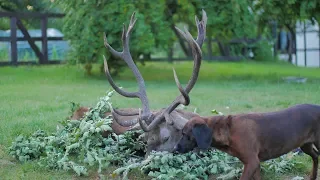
[57, 50]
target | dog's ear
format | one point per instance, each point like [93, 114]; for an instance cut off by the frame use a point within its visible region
[203, 135]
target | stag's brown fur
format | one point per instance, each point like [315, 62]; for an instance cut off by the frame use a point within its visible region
[258, 137]
[79, 113]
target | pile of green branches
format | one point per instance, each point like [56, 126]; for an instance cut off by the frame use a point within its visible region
[78, 145]
[200, 165]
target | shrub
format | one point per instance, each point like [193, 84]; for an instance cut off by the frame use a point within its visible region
[263, 51]
[86, 21]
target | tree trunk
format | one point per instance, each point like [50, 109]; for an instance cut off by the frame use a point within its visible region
[170, 54]
[146, 57]
[292, 40]
[224, 49]
[209, 41]
[88, 68]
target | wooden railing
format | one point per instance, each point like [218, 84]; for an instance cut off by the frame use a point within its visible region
[16, 23]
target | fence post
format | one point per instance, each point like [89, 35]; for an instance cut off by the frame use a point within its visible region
[209, 46]
[305, 43]
[13, 34]
[44, 39]
[31, 42]
[274, 27]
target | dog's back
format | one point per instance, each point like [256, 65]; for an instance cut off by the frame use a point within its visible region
[281, 131]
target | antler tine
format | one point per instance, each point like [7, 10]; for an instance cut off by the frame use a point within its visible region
[127, 123]
[197, 56]
[107, 45]
[195, 47]
[116, 115]
[142, 123]
[125, 113]
[132, 23]
[201, 27]
[184, 97]
[126, 34]
[126, 56]
[114, 86]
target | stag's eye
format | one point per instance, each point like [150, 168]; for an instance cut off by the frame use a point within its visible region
[165, 139]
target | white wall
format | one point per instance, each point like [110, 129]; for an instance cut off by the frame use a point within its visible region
[312, 41]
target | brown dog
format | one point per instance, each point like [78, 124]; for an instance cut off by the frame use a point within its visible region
[257, 137]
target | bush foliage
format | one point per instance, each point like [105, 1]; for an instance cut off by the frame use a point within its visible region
[86, 21]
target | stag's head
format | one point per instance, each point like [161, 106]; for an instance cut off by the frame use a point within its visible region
[162, 128]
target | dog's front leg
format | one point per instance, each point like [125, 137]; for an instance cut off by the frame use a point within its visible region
[250, 169]
[257, 175]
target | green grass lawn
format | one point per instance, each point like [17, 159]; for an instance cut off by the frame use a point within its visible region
[38, 97]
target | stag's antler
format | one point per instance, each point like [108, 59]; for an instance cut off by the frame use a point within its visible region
[126, 56]
[146, 116]
[197, 55]
[118, 114]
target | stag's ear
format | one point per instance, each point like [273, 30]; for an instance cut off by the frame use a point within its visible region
[203, 135]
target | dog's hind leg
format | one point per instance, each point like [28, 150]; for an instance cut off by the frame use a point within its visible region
[311, 150]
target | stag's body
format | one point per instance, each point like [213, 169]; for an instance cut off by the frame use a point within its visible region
[162, 128]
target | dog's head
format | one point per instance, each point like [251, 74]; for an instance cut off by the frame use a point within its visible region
[200, 133]
[195, 133]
